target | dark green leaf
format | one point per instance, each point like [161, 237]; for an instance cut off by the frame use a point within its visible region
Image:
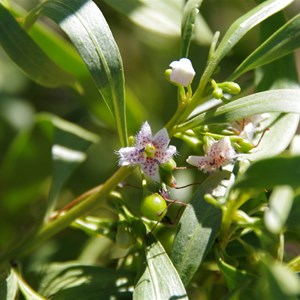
[235, 278]
[187, 25]
[269, 172]
[282, 42]
[28, 55]
[285, 100]
[159, 279]
[198, 228]
[85, 25]
[68, 281]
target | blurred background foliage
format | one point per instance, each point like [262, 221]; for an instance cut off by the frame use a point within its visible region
[147, 48]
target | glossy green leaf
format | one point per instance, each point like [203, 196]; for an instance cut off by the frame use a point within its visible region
[198, 228]
[282, 42]
[70, 280]
[280, 204]
[8, 287]
[269, 172]
[87, 28]
[29, 56]
[159, 279]
[285, 100]
[190, 12]
[70, 143]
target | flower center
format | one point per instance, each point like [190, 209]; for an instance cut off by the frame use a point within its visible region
[150, 150]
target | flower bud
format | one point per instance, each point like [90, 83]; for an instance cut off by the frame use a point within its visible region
[218, 93]
[182, 72]
[169, 166]
[230, 87]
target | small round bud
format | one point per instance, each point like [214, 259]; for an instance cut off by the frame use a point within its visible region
[153, 207]
[169, 166]
[218, 93]
[230, 87]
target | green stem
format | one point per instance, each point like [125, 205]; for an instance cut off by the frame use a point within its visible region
[53, 227]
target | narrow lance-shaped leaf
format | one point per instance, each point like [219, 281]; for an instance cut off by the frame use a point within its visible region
[159, 279]
[285, 100]
[280, 74]
[198, 229]
[29, 56]
[87, 28]
[282, 42]
[187, 25]
[236, 31]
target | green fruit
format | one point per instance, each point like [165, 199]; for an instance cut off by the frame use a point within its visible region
[154, 207]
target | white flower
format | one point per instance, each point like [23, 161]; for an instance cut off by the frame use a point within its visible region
[148, 152]
[182, 72]
[219, 154]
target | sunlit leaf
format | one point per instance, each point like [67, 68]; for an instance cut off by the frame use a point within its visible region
[71, 280]
[269, 172]
[285, 100]
[280, 203]
[187, 25]
[198, 228]
[9, 287]
[282, 42]
[85, 25]
[158, 279]
[29, 56]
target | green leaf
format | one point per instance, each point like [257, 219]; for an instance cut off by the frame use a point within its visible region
[269, 172]
[198, 228]
[245, 23]
[285, 100]
[9, 287]
[29, 56]
[70, 142]
[190, 12]
[282, 42]
[278, 282]
[234, 277]
[70, 280]
[87, 28]
[280, 74]
[159, 279]
[235, 32]
[280, 204]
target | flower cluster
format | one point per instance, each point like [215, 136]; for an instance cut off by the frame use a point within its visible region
[148, 151]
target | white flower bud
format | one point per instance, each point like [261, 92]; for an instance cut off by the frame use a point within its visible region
[182, 72]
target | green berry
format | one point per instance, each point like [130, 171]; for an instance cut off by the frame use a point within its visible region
[154, 207]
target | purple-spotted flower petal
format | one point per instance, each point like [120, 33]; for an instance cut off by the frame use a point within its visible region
[219, 154]
[148, 152]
